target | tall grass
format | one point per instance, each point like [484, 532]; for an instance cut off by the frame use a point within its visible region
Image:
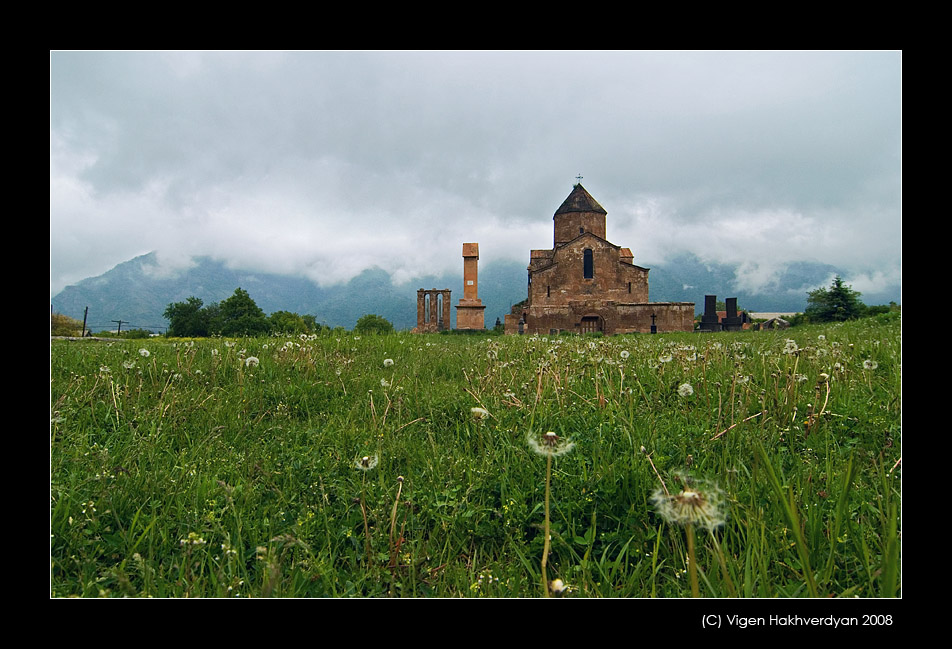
[187, 470]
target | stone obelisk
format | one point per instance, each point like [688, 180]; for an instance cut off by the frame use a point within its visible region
[470, 312]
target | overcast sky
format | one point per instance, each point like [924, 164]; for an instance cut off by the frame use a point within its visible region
[323, 164]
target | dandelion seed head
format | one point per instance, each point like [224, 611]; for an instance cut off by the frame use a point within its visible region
[479, 413]
[550, 444]
[252, 361]
[870, 365]
[144, 353]
[367, 462]
[388, 362]
[699, 503]
[685, 390]
[557, 587]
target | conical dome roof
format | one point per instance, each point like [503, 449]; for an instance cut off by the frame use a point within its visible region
[580, 201]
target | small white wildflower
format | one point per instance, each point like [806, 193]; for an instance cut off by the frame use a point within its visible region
[193, 539]
[479, 413]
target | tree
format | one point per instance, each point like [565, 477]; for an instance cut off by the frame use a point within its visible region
[835, 304]
[240, 316]
[187, 319]
[286, 322]
[373, 324]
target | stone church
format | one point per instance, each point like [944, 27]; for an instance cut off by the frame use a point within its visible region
[587, 284]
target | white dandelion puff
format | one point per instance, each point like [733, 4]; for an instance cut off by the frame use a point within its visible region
[685, 390]
[549, 444]
[252, 361]
[367, 462]
[700, 504]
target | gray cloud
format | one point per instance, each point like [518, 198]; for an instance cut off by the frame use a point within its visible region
[323, 164]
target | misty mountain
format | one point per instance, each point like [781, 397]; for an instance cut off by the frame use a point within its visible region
[137, 292]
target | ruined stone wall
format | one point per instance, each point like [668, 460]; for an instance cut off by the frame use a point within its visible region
[433, 310]
[669, 316]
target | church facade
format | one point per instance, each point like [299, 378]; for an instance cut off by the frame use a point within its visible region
[586, 284]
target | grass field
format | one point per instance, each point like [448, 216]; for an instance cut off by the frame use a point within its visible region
[343, 466]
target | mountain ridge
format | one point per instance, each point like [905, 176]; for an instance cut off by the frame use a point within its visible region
[137, 293]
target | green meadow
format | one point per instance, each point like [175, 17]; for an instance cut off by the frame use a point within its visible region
[341, 465]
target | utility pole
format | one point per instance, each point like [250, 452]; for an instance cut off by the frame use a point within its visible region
[85, 313]
[119, 330]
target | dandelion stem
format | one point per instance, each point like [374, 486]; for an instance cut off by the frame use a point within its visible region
[692, 563]
[545, 545]
[363, 510]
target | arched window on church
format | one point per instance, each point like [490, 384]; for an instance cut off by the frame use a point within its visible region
[589, 264]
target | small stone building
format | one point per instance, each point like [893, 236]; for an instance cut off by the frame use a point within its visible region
[587, 284]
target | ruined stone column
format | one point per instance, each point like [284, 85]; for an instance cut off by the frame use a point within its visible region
[446, 307]
[420, 309]
[470, 312]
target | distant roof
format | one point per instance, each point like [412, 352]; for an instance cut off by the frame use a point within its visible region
[580, 201]
[761, 315]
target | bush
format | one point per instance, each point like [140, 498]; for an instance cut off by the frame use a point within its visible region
[61, 325]
[373, 324]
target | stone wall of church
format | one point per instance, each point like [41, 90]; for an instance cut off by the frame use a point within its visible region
[565, 280]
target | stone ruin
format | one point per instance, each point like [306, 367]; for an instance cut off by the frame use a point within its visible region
[433, 310]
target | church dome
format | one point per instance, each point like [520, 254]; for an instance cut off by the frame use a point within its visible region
[580, 201]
